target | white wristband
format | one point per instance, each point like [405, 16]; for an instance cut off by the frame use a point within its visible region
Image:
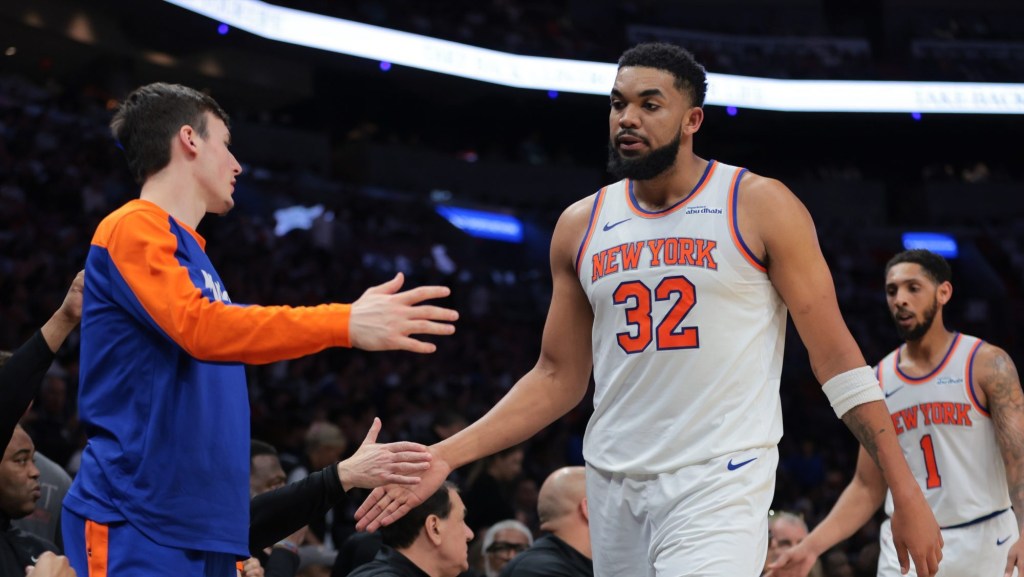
[854, 387]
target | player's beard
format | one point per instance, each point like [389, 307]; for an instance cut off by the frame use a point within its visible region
[915, 332]
[646, 166]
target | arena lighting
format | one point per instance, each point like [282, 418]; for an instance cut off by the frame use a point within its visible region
[936, 242]
[355, 39]
[483, 224]
[297, 217]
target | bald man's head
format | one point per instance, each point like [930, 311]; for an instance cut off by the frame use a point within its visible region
[561, 495]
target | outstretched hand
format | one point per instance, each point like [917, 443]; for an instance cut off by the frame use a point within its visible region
[916, 535]
[383, 318]
[374, 464]
[71, 308]
[793, 562]
[66, 318]
[389, 503]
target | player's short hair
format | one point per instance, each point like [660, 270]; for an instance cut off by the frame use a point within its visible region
[146, 122]
[403, 532]
[690, 75]
[934, 265]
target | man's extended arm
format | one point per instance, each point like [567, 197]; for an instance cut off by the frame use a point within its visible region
[22, 374]
[554, 386]
[782, 231]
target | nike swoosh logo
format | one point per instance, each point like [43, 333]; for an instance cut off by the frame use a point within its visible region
[1003, 540]
[733, 466]
[611, 225]
[893, 392]
[35, 559]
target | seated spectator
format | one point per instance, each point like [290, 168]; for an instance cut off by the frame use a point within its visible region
[503, 541]
[430, 540]
[785, 530]
[54, 483]
[565, 552]
[19, 491]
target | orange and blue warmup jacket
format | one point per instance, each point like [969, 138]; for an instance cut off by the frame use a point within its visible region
[162, 394]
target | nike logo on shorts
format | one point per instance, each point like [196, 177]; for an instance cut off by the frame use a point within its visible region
[733, 466]
[1003, 540]
[610, 225]
[893, 392]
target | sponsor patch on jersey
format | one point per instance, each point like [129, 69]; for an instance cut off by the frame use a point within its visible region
[703, 210]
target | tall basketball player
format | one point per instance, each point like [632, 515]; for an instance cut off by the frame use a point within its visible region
[672, 285]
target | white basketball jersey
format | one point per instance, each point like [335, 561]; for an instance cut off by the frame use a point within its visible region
[688, 331]
[947, 437]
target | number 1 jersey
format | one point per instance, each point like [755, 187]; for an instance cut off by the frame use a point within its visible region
[947, 436]
[688, 330]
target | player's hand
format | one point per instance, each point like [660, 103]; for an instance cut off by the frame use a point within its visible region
[916, 535]
[389, 503]
[383, 318]
[374, 464]
[251, 568]
[50, 565]
[1015, 559]
[793, 562]
[71, 308]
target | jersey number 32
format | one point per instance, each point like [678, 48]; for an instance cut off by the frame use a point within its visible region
[668, 335]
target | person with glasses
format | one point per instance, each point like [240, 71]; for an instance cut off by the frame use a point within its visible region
[503, 541]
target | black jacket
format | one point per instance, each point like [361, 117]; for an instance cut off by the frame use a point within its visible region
[389, 563]
[20, 378]
[549, 557]
[19, 549]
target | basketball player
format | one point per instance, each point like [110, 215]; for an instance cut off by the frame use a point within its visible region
[958, 410]
[164, 482]
[672, 284]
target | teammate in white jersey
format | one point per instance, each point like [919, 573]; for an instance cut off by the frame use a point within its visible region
[672, 285]
[957, 406]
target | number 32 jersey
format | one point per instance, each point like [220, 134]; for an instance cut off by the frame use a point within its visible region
[688, 330]
[947, 437]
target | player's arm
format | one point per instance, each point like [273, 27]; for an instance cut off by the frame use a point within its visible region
[159, 291]
[22, 374]
[560, 377]
[778, 227]
[555, 385]
[857, 503]
[999, 384]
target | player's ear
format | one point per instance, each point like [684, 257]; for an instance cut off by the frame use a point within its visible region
[692, 120]
[186, 139]
[944, 292]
